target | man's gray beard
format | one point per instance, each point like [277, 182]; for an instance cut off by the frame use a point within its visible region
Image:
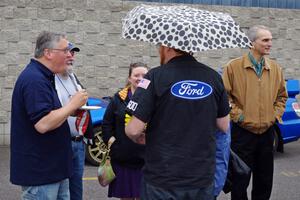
[70, 69]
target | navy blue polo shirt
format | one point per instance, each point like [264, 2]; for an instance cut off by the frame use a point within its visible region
[37, 159]
[180, 101]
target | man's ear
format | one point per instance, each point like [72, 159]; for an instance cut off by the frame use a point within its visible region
[47, 53]
[169, 49]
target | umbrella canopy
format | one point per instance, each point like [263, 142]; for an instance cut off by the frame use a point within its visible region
[184, 28]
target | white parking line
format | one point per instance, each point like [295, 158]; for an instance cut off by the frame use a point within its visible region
[290, 173]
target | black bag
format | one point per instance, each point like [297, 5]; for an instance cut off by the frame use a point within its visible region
[237, 168]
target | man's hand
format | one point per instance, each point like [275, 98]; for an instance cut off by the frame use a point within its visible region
[78, 99]
[135, 130]
[141, 139]
[223, 123]
[57, 117]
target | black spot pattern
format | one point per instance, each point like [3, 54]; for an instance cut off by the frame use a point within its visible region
[183, 28]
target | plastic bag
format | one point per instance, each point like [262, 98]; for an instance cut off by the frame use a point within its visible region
[105, 172]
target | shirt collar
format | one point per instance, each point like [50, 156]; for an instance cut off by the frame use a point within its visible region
[254, 62]
[44, 70]
[248, 63]
[181, 58]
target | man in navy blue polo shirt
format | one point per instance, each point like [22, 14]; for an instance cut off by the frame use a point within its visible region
[183, 103]
[41, 151]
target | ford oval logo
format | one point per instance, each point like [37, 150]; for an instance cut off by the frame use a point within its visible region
[190, 89]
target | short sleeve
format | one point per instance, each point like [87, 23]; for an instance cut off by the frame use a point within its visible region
[223, 103]
[142, 102]
[38, 99]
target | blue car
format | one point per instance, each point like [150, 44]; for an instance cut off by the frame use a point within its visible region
[286, 132]
[94, 153]
[289, 130]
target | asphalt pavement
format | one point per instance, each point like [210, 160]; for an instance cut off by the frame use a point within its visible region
[286, 178]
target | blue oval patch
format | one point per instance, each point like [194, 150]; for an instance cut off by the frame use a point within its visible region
[190, 89]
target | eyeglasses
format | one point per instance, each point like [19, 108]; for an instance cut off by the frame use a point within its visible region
[66, 50]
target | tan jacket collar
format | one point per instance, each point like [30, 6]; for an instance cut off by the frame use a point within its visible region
[248, 63]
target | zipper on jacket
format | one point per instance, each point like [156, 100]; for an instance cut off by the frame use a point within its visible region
[259, 91]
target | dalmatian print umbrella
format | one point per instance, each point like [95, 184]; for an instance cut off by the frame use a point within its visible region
[184, 28]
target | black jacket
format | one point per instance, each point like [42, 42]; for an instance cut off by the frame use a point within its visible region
[123, 151]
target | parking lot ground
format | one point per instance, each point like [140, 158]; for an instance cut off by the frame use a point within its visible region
[286, 178]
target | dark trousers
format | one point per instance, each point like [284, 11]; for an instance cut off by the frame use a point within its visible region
[257, 152]
[150, 192]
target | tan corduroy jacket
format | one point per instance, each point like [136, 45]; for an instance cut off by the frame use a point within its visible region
[259, 100]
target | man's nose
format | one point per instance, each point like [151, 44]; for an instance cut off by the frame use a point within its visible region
[69, 54]
[270, 42]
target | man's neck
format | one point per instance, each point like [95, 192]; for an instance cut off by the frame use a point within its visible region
[64, 75]
[172, 55]
[67, 72]
[45, 63]
[257, 56]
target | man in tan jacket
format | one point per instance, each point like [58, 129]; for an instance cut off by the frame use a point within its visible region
[257, 94]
